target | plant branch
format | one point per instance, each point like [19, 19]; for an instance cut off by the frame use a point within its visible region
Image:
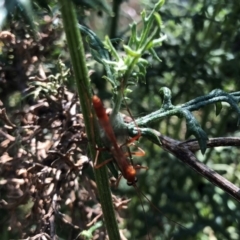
[185, 152]
[114, 19]
[167, 109]
[193, 105]
[77, 54]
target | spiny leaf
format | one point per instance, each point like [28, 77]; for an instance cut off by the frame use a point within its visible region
[154, 55]
[194, 128]
[226, 97]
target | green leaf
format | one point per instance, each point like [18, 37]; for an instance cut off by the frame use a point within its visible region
[193, 128]
[159, 5]
[151, 135]
[154, 55]
[131, 52]
[158, 18]
[88, 234]
[226, 97]
[218, 107]
[133, 37]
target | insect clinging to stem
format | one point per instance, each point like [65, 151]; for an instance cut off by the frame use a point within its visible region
[122, 158]
[127, 170]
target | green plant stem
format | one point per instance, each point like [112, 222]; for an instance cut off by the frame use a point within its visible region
[77, 54]
[114, 20]
[193, 105]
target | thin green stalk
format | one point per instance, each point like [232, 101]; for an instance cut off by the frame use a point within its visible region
[77, 54]
[114, 19]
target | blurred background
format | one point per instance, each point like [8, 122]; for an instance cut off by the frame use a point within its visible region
[201, 53]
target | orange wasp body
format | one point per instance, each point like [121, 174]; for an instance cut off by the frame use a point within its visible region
[127, 169]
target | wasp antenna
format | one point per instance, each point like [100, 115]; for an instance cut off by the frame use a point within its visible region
[176, 223]
[141, 202]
